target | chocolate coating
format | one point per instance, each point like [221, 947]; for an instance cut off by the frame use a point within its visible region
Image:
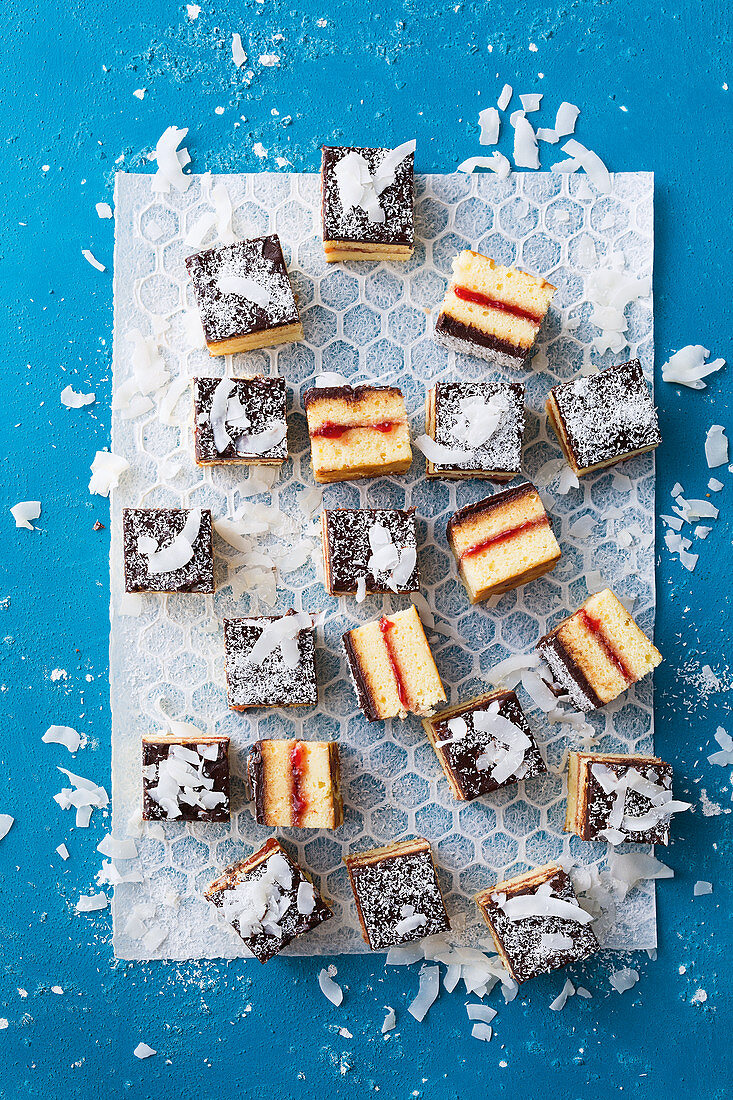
[271, 684]
[348, 549]
[481, 507]
[264, 402]
[599, 804]
[354, 225]
[472, 337]
[352, 394]
[153, 752]
[163, 525]
[502, 452]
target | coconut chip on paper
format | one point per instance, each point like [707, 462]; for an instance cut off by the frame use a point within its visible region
[265, 547]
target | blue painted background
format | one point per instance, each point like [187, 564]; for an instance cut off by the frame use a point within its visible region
[373, 74]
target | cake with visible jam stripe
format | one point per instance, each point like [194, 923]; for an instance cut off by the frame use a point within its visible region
[369, 550]
[477, 429]
[244, 296]
[619, 798]
[268, 900]
[356, 432]
[502, 542]
[392, 667]
[604, 418]
[492, 311]
[240, 421]
[484, 744]
[598, 652]
[398, 898]
[537, 923]
[367, 202]
[296, 784]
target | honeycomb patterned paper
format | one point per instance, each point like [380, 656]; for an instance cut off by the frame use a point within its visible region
[369, 321]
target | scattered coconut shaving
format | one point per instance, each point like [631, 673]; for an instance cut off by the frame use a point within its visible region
[92, 903]
[6, 823]
[390, 1021]
[104, 210]
[170, 161]
[610, 290]
[142, 1050]
[567, 991]
[526, 153]
[239, 57]
[497, 163]
[329, 988]
[623, 979]
[688, 367]
[701, 888]
[489, 122]
[723, 758]
[63, 735]
[83, 795]
[25, 511]
[73, 400]
[91, 259]
[506, 94]
[427, 993]
[716, 447]
[107, 469]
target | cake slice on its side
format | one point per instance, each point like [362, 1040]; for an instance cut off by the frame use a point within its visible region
[357, 432]
[296, 784]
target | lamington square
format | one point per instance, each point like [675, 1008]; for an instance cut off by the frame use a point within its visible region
[392, 668]
[492, 311]
[244, 296]
[185, 779]
[604, 418]
[168, 550]
[484, 744]
[356, 432]
[398, 899]
[296, 784]
[598, 652]
[240, 421]
[537, 923]
[367, 202]
[502, 542]
[369, 550]
[270, 661]
[618, 798]
[477, 429]
[268, 900]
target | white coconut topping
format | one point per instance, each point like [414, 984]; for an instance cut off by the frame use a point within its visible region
[306, 898]
[568, 990]
[358, 187]
[387, 558]
[480, 1012]
[688, 367]
[330, 989]
[723, 758]
[84, 796]
[716, 447]
[25, 511]
[142, 1050]
[6, 823]
[73, 400]
[390, 1021]
[623, 979]
[543, 903]
[239, 57]
[506, 94]
[177, 553]
[427, 993]
[223, 213]
[409, 920]
[107, 469]
[91, 259]
[92, 903]
[280, 634]
[63, 851]
[62, 735]
[330, 378]
[507, 758]
[243, 287]
[497, 163]
[555, 941]
[565, 119]
[489, 123]
[526, 154]
[170, 161]
[531, 102]
[361, 590]
[627, 870]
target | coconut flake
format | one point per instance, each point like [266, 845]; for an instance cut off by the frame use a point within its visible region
[489, 123]
[361, 589]
[306, 898]
[506, 94]
[629, 869]
[330, 378]
[239, 57]
[555, 941]
[104, 210]
[568, 990]
[177, 553]
[427, 994]
[62, 735]
[107, 469]
[84, 796]
[526, 154]
[496, 163]
[283, 634]
[701, 888]
[482, 1031]
[73, 400]
[594, 167]
[531, 102]
[118, 848]
[357, 186]
[390, 1021]
[142, 1050]
[543, 903]
[63, 851]
[91, 259]
[330, 989]
[24, 511]
[688, 367]
[244, 287]
[409, 921]
[170, 161]
[724, 758]
[716, 447]
[480, 1012]
[6, 823]
[92, 903]
[623, 979]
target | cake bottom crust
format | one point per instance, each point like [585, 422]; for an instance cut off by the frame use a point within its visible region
[266, 338]
[241, 462]
[362, 250]
[350, 473]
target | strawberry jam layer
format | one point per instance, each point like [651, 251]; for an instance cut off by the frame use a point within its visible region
[335, 431]
[594, 626]
[505, 536]
[479, 299]
[298, 801]
[386, 626]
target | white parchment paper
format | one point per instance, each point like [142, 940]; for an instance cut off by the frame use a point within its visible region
[369, 321]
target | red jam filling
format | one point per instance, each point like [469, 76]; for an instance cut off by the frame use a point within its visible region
[386, 625]
[595, 626]
[298, 801]
[480, 299]
[335, 431]
[504, 536]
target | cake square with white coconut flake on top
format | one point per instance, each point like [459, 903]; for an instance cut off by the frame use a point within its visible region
[185, 779]
[604, 418]
[398, 898]
[270, 661]
[537, 923]
[268, 900]
[367, 202]
[240, 421]
[244, 296]
[474, 429]
[484, 744]
[369, 550]
[168, 550]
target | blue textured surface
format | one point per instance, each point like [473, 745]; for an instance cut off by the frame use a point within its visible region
[67, 103]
